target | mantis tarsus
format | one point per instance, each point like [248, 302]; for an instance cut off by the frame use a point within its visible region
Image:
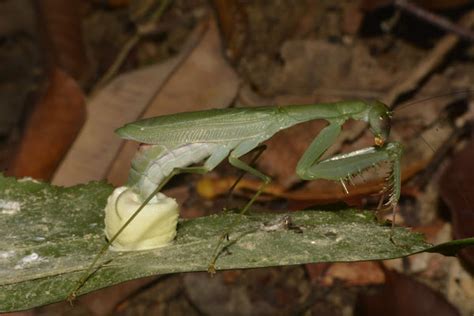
[174, 142]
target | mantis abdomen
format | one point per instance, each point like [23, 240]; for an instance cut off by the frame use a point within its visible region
[152, 163]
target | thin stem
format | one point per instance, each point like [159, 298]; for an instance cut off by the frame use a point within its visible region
[128, 46]
[435, 19]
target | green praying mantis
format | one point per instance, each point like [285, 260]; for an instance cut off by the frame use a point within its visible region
[174, 143]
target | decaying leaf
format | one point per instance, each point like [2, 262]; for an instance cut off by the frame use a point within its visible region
[401, 295]
[457, 190]
[51, 129]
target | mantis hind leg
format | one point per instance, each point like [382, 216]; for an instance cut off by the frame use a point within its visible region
[234, 160]
[259, 151]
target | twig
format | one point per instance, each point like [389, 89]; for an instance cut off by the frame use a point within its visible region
[434, 19]
[129, 45]
[441, 153]
[424, 68]
[428, 64]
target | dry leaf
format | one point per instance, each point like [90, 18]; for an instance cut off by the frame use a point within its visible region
[122, 101]
[401, 295]
[204, 81]
[51, 128]
[354, 273]
[457, 190]
[60, 22]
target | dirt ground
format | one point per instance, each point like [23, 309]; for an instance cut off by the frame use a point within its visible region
[94, 65]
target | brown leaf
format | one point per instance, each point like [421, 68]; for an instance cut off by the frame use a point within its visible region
[51, 128]
[104, 302]
[402, 295]
[233, 26]
[204, 80]
[60, 23]
[353, 273]
[352, 19]
[457, 190]
[199, 78]
[121, 101]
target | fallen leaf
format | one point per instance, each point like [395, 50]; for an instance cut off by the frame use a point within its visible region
[204, 80]
[233, 26]
[61, 22]
[255, 292]
[457, 190]
[121, 101]
[51, 128]
[353, 274]
[402, 295]
[459, 286]
[21, 68]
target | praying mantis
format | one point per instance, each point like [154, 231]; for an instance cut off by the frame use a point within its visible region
[172, 144]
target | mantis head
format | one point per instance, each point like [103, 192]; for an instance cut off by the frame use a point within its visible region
[379, 121]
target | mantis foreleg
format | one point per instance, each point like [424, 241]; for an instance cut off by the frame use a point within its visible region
[344, 166]
[316, 149]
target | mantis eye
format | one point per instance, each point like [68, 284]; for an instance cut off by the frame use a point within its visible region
[385, 124]
[379, 121]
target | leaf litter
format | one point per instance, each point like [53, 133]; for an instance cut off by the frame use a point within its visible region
[392, 56]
